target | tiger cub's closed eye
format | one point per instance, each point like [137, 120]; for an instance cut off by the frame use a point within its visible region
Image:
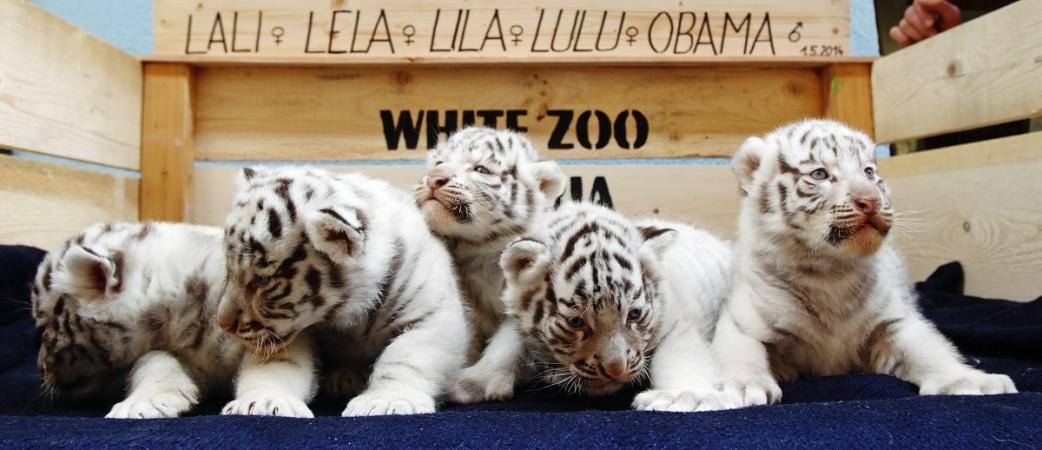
[262, 280]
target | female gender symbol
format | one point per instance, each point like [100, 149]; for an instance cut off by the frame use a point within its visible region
[277, 32]
[516, 30]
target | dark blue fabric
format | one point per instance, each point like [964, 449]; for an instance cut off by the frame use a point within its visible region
[844, 411]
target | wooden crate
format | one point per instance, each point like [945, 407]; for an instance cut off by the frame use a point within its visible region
[64, 95]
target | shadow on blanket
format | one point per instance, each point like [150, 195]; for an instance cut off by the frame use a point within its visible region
[852, 410]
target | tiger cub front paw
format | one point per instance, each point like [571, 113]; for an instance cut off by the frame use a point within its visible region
[970, 382]
[152, 406]
[478, 384]
[752, 391]
[679, 400]
[385, 402]
[267, 403]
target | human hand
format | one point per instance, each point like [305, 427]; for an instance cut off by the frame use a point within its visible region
[924, 19]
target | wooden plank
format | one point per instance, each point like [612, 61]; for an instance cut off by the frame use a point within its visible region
[980, 73]
[744, 62]
[410, 30]
[167, 146]
[336, 113]
[45, 204]
[704, 195]
[848, 95]
[65, 93]
[978, 204]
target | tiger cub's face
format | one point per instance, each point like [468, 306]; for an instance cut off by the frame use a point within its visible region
[584, 297]
[84, 341]
[814, 184]
[482, 184]
[292, 240]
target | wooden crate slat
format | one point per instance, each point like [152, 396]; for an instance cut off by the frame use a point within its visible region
[978, 204]
[407, 31]
[167, 146]
[983, 72]
[311, 113]
[45, 203]
[64, 92]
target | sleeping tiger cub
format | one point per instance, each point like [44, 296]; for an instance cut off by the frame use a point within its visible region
[345, 261]
[140, 297]
[482, 189]
[602, 302]
[819, 290]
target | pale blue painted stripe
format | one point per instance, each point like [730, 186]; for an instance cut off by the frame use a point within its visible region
[108, 170]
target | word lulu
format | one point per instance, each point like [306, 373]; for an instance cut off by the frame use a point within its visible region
[407, 127]
[442, 28]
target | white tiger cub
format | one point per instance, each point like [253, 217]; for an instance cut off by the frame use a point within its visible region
[309, 251]
[603, 302]
[818, 289]
[482, 189]
[139, 297]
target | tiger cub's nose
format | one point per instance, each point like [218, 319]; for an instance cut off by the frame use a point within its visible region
[614, 370]
[435, 182]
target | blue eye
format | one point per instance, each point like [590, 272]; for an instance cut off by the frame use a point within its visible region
[576, 322]
[819, 174]
[262, 280]
[634, 314]
[870, 172]
[482, 170]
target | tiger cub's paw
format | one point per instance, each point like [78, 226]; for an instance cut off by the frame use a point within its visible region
[159, 405]
[970, 382]
[752, 391]
[267, 403]
[679, 400]
[385, 402]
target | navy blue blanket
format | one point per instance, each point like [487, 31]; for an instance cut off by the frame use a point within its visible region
[845, 411]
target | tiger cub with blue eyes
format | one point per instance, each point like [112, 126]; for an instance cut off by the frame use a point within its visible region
[341, 266]
[819, 289]
[601, 302]
[482, 189]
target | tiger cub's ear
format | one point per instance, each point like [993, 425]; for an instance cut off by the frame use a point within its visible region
[551, 179]
[337, 232]
[747, 160]
[657, 240]
[246, 176]
[524, 260]
[88, 274]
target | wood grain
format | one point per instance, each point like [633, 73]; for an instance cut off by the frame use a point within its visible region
[667, 30]
[731, 62]
[333, 113]
[65, 93]
[45, 204]
[167, 146]
[978, 204]
[847, 92]
[704, 195]
[980, 73]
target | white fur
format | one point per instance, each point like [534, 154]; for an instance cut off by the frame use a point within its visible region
[151, 286]
[399, 310]
[824, 308]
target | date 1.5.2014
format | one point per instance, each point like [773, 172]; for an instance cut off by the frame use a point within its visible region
[822, 50]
